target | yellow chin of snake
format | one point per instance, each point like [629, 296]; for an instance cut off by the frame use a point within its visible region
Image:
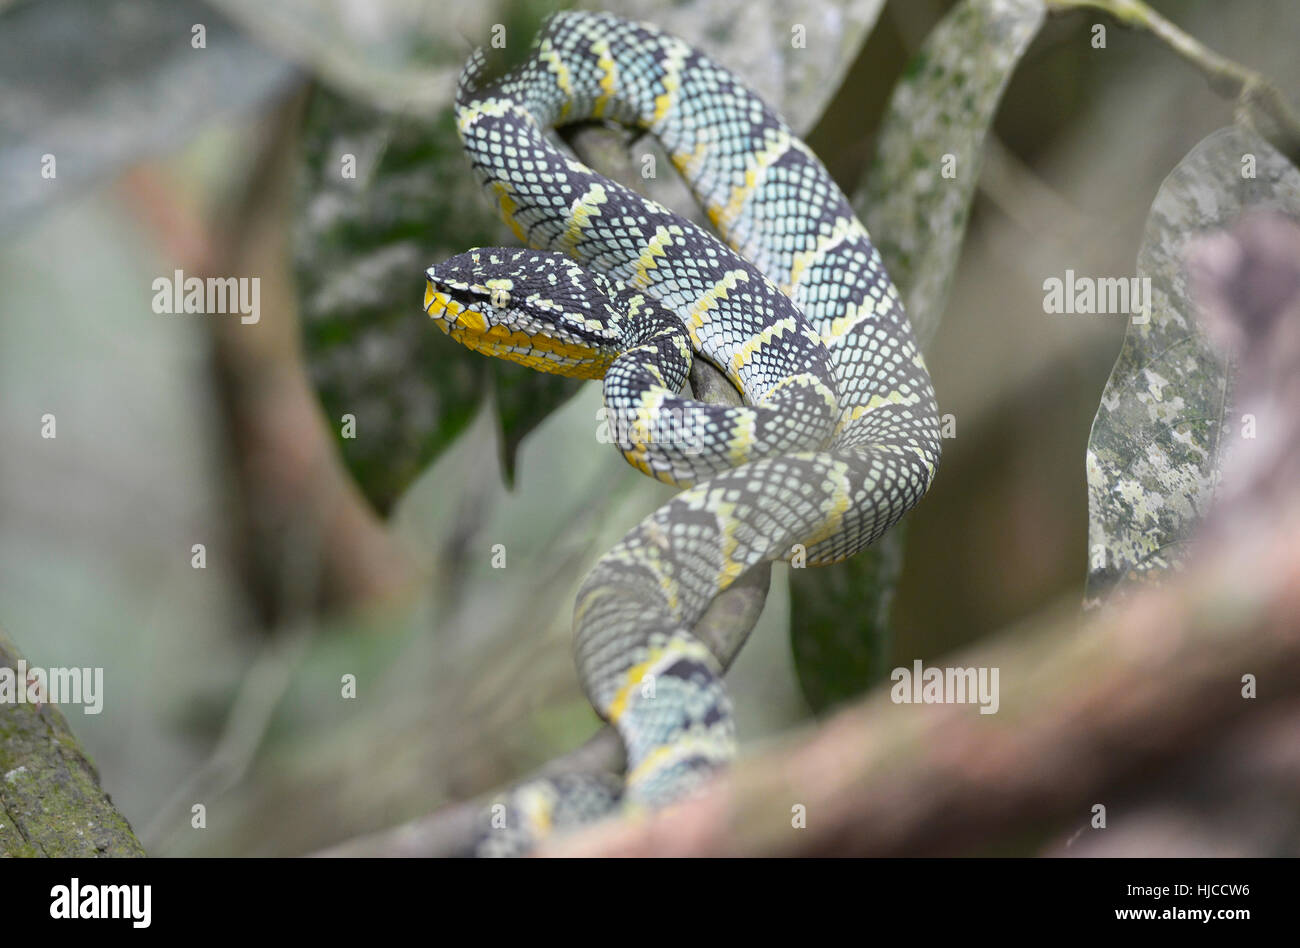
[537, 351]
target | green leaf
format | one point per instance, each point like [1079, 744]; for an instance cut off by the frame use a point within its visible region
[1166, 418]
[943, 105]
[402, 55]
[361, 246]
[839, 621]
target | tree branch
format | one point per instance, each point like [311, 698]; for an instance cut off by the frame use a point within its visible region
[51, 803]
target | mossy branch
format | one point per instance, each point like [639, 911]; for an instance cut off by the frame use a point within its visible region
[51, 803]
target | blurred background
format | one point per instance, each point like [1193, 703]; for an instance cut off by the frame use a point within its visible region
[372, 556]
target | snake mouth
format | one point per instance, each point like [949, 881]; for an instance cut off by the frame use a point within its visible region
[463, 314]
[453, 306]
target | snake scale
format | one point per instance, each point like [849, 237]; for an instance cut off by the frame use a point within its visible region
[837, 436]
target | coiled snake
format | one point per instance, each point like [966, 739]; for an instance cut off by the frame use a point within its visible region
[838, 434]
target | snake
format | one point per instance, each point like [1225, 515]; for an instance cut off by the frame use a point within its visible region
[836, 435]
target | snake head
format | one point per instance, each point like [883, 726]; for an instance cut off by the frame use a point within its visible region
[539, 309]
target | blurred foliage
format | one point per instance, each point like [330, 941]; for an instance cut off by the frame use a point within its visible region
[1167, 419]
[476, 684]
[399, 55]
[97, 106]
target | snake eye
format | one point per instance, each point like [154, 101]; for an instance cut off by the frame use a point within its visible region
[500, 297]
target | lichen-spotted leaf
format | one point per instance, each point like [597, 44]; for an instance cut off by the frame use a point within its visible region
[1166, 421]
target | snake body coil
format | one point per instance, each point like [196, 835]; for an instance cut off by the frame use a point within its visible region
[838, 436]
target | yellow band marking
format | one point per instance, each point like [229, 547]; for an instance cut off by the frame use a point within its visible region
[753, 344]
[548, 54]
[637, 457]
[805, 379]
[494, 108]
[672, 83]
[834, 507]
[724, 216]
[672, 651]
[505, 199]
[683, 749]
[728, 522]
[538, 808]
[689, 163]
[709, 299]
[844, 228]
[641, 429]
[876, 401]
[647, 260]
[580, 215]
[843, 327]
[742, 440]
[608, 77]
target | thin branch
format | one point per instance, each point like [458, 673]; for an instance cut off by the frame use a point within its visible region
[258, 698]
[1256, 96]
